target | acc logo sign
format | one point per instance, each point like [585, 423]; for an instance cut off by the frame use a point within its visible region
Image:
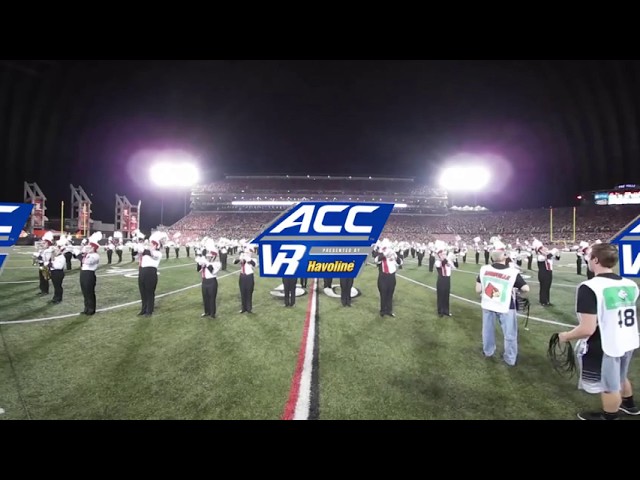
[321, 239]
[13, 217]
[628, 241]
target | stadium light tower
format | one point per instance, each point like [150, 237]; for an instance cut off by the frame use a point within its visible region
[176, 173]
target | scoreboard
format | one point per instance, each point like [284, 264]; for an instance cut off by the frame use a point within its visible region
[627, 194]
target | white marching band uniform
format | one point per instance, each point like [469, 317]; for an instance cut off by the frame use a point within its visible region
[90, 262]
[148, 260]
[208, 266]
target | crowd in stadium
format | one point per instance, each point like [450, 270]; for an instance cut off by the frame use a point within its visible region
[512, 225]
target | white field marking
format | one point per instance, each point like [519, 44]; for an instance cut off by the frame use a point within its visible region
[476, 273]
[125, 272]
[21, 268]
[108, 308]
[529, 281]
[129, 271]
[552, 322]
[303, 404]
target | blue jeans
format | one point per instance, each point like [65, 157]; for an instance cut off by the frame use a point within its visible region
[509, 323]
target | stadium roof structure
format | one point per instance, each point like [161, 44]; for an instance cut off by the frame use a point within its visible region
[319, 177]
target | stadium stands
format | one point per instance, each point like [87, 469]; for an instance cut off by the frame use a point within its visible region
[425, 217]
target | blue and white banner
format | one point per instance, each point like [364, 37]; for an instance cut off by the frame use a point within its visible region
[13, 217]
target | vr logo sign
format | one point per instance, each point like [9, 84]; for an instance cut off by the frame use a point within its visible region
[628, 241]
[321, 239]
[13, 217]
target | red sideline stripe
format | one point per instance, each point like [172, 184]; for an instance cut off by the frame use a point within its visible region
[294, 393]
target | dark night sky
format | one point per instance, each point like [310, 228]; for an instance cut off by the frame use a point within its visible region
[561, 126]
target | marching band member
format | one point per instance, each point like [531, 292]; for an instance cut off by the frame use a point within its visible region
[388, 262]
[403, 248]
[110, 247]
[545, 270]
[208, 267]
[529, 254]
[44, 259]
[117, 240]
[133, 248]
[518, 253]
[420, 252]
[67, 250]
[58, 264]
[176, 246]
[90, 262]
[444, 267]
[224, 253]
[246, 281]
[149, 258]
[345, 291]
[580, 259]
[432, 256]
[457, 252]
[289, 285]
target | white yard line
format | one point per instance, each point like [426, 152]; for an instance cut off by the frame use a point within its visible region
[528, 280]
[523, 272]
[23, 281]
[113, 274]
[542, 320]
[552, 322]
[69, 315]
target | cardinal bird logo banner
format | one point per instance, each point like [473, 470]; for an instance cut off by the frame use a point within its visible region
[491, 291]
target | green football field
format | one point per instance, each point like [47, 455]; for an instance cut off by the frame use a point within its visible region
[57, 364]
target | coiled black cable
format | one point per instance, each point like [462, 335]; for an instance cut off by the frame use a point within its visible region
[561, 356]
[523, 305]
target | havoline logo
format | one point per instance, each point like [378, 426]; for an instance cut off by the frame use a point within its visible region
[321, 239]
[13, 217]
